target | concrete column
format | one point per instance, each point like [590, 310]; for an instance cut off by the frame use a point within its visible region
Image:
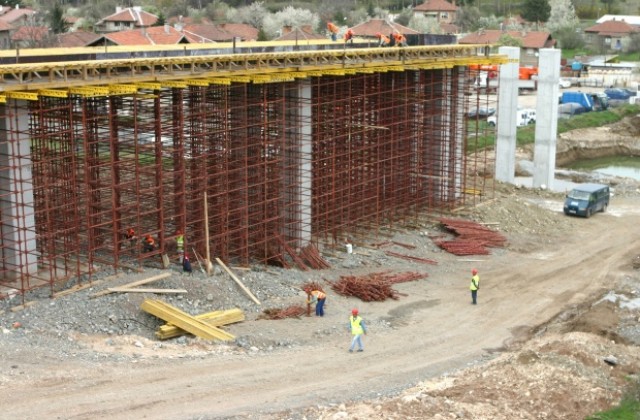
[507, 111]
[298, 159]
[544, 156]
[16, 192]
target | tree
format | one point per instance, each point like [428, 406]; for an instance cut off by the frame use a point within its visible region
[563, 15]
[289, 16]
[536, 10]
[468, 18]
[56, 20]
[425, 25]
[507, 40]
[253, 15]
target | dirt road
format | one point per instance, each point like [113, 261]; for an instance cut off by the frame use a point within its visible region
[432, 330]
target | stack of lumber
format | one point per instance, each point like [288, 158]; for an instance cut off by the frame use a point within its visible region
[184, 321]
[215, 319]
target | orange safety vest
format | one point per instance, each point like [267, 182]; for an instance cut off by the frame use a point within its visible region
[332, 28]
[318, 294]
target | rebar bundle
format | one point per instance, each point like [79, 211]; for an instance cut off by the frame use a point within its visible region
[473, 238]
[294, 311]
[373, 287]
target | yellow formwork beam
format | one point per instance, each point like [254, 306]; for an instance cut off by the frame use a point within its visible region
[28, 96]
[149, 85]
[123, 89]
[3, 99]
[198, 82]
[89, 91]
[180, 84]
[184, 321]
[220, 81]
[240, 79]
[215, 318]
[54, 93]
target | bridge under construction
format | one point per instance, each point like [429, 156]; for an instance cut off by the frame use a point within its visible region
[253, 156]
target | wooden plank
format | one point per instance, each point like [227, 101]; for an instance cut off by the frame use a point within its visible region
[184, 321]
[134, 284]
[215, 319]
[76, 288]
[21, 307]
[237, 280]
[130, 290]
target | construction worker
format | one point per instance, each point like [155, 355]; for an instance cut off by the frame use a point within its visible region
[186, 265]
[348, 36]
[149, 244]
[384, 40]
[180, 243]
[131, 236]
[400, 40]
[333, 31]
[475, 285]
[357, 328]
[319, 298]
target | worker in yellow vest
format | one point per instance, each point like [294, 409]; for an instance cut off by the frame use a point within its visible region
[357, 328]
[180, 244]
[475, 285]
[318, 297]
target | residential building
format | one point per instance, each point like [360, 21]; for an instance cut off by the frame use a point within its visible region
[611, 35]
[442, 11]
[532, 42]
[125, 19]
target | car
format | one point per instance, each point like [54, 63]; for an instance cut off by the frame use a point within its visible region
[570, 109]
[482, 112]
[565, 83]
[616, 93]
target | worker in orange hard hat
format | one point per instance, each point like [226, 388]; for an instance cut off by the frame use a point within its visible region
[384, 40]
[348, 36]
[148, 244]
[131, 236]
[333, 31]
[357, 328]
[475, 285]
[400, 39]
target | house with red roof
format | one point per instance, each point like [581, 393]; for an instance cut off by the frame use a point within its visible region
[29, 36]
[155, 35]
[5, 35]
[442, 11]
[611, 35]
[532, 42]
[372, 27]
[302, 33]
[17, 17]
[203, 33]
[77, 38]
[126, 18]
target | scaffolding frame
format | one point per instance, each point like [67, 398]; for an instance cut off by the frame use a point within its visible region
[267, 163]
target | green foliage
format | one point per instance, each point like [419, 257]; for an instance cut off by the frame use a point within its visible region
[11, 3]
[570, 39]
[526, 135]
[509, 41]
[627, 409]
[404, 17]
[536, 10]
[468, 18]
[161, 20]
[56, 20]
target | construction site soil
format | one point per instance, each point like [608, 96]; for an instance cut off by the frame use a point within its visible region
[555, 334]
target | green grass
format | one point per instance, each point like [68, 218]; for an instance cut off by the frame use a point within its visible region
[526, 135]
[627, 409]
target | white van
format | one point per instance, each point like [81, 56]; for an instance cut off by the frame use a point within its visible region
[523, 117]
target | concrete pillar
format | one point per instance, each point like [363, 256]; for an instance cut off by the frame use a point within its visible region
[299, 142]
[16, 192]
[507, 110]
[544, 156]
